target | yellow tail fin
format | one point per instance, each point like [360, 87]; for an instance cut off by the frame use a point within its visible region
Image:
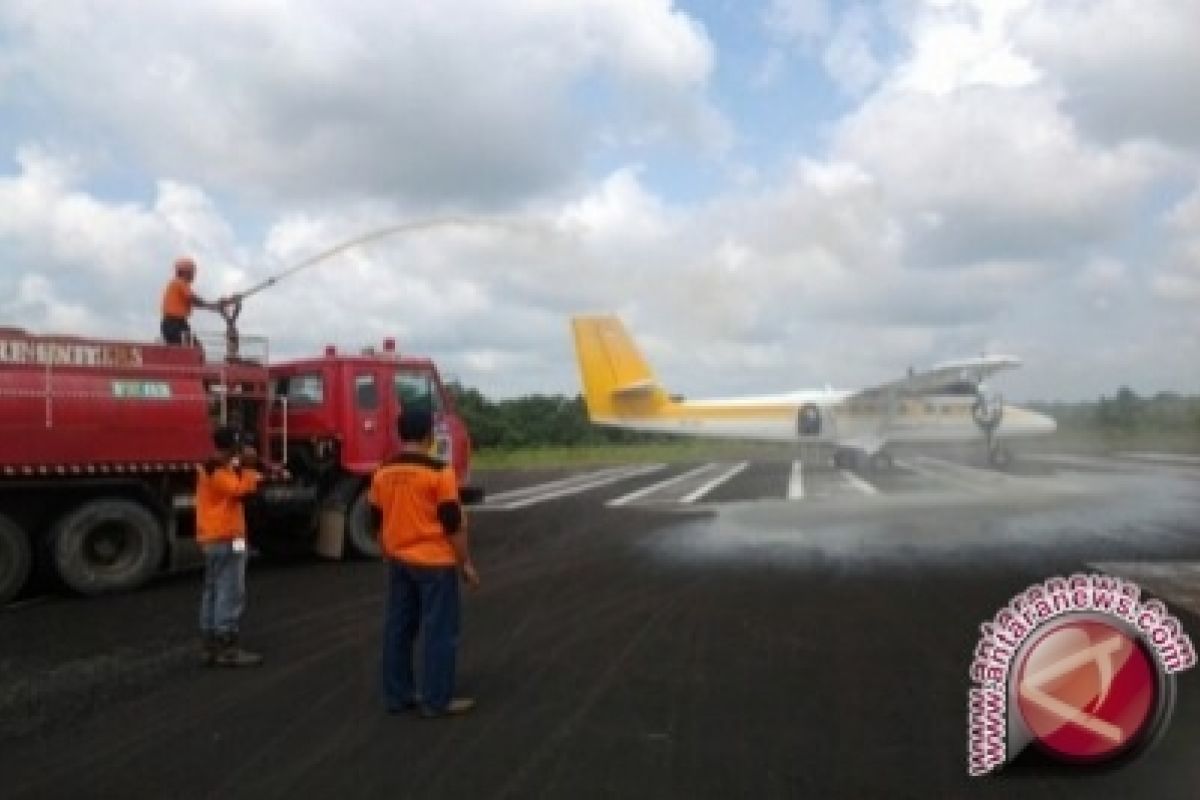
[617, 381]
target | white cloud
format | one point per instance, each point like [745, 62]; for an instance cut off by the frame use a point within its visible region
[1103, 275]
[994, 172]
[75, 261]
[1179, 279]
[620, 208]
[400, 100]
[963, 43]
[36, 301]
[1125, 66]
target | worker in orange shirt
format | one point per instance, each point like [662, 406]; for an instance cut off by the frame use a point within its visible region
[179, 300]
[424, 539]
[221, 488]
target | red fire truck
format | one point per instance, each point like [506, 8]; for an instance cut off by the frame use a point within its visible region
[100, 441]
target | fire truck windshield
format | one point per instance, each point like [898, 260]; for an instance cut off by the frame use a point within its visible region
[417, 390]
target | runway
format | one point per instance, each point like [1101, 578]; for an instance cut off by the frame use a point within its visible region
[713, 629]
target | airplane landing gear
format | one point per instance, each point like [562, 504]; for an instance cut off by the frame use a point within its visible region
[880, 462]
[987, 413]
[999, 456]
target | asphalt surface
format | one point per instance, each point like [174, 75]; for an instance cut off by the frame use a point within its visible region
[704, 636]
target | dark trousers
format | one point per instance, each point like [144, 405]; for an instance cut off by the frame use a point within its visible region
[425, 600]
[224, 596]
[175, 330]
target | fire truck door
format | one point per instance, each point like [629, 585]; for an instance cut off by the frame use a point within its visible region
[371, 429]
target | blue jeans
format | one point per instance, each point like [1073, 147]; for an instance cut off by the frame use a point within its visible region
[421, 599]
[224, 589]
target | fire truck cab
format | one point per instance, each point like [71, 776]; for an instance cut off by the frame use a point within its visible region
[334, 421]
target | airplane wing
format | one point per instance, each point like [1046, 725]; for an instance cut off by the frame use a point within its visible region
[967, 372]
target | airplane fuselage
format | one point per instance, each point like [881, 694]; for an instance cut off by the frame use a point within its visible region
[840, 419]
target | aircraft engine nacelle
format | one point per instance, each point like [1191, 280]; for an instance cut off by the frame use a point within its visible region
[808, 421]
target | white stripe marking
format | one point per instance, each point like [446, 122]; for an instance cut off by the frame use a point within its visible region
[583, 487]
[549, 486]
[715, 482]
[795, 490]
[858, 483]
[1176, 458]
[26, 603]
[654, 487]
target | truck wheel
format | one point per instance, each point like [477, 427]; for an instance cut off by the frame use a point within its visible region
[361, 535]
[15, 559]
[107, 546]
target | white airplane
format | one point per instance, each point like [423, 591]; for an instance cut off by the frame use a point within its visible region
[947, 403]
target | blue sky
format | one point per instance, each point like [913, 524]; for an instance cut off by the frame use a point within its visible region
[772, 195]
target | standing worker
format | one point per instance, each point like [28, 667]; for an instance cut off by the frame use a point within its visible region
[178, 301]
[221, 487]
[424, 539]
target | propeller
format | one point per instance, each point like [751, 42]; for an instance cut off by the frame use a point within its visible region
[987, 413]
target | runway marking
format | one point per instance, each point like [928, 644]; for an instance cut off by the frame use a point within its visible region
[1167, 458]
[858, 483]
[795, 489]
[1114, 464]
[555, 490]
[654, 487]
[26, 603]
[538, 488]
[1086, 461]
[714, 483]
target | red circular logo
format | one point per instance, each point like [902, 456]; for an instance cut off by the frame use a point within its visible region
[1087, 690]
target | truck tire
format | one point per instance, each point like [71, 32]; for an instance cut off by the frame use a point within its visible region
[362, 536]
[16, 560]
[107, 545]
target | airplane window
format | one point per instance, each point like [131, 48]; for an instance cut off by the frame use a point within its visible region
[955, 388]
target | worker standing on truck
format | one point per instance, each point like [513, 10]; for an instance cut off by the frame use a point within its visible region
[178, 301]
[424, 539]
[221, 488]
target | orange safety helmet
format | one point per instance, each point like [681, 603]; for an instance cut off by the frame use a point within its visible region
[185, 268]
